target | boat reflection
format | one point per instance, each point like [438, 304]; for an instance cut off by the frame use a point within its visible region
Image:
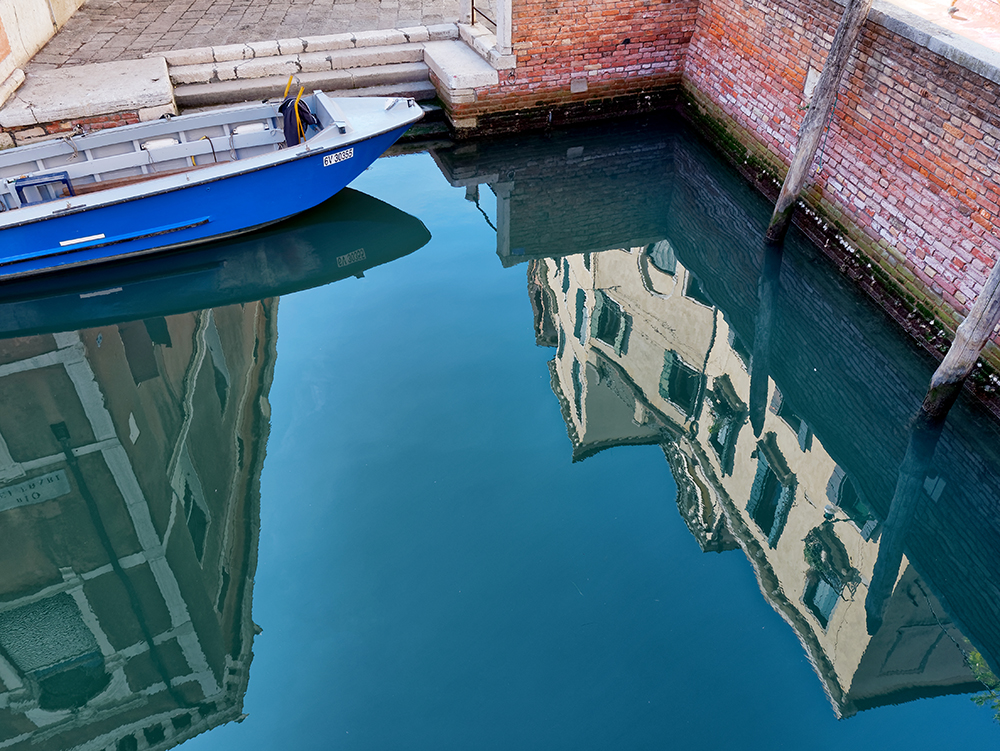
[345, 236]
[671, 327]
[130, 458]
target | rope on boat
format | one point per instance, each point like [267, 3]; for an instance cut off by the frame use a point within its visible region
[215, 157]
[76, 151]
[298, 115]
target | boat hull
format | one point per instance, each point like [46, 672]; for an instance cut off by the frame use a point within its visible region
[174, 217]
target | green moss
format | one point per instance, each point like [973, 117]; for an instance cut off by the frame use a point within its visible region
[887, 262]
[990, 698]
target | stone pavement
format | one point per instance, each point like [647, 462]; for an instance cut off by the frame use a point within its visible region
[977, 20]
[108, 30]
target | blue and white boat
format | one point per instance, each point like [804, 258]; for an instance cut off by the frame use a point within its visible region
[176, 182]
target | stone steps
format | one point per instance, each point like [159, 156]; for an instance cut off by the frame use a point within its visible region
[403, 79]
[372, 63]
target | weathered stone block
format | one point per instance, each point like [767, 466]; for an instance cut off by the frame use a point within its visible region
[379, 38]
[147, 114]
[442, 32]
[329, 42]
[458, 67]
[264, 49]
[200, 73]
[291, 46]
[311, 62]
[197, 56]
[268, 66]
[230, 52]
[416, 34]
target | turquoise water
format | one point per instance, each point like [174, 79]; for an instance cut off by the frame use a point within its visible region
[462, 545]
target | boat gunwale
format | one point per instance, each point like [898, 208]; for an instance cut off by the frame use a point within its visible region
[206, 174]
[10, 276]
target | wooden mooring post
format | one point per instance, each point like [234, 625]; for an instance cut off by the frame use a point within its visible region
[811, 130]
[970, 338]
[976, 329]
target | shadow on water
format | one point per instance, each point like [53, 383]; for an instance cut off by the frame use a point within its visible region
[672, 327]
[132, 438]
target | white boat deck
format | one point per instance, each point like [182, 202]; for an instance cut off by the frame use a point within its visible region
[117, 157]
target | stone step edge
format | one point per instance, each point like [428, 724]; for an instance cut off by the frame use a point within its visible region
[305, 62]
[485, 44]
[410, 77]
[327, 43]
[422, 91]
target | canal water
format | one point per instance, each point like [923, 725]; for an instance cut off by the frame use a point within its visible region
[522, 444]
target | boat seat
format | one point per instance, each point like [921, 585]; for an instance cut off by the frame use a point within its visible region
[119, 182]
[46, 185]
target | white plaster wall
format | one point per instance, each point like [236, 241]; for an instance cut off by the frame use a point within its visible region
[29, 24]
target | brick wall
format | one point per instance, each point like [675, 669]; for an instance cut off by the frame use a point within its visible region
[26, 135]
[622, 50]
[907, 167]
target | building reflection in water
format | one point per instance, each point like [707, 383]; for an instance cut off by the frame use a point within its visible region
[646, 275]
[643, 357]
[130, 460]
[130, 456]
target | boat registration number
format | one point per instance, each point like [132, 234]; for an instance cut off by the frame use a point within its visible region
[340, 156]
[348, 258]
